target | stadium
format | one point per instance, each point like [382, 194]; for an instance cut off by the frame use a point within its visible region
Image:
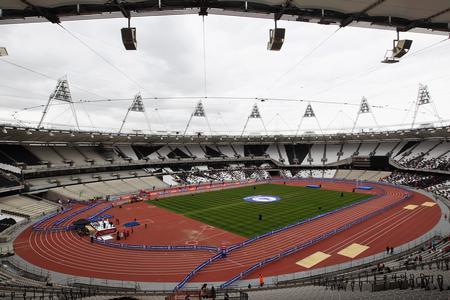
[215, 179]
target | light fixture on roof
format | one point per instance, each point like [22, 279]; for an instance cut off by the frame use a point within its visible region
[92, 135]
[28, 132]
[128, 33]
[72, 134]
[3, 51]
[4, 130]
[50, 133]
[399, 49]
[276, 35]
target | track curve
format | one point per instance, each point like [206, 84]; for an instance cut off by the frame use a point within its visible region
[66, 252]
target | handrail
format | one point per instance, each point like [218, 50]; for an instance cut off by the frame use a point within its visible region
[310, 242]
[272, 232]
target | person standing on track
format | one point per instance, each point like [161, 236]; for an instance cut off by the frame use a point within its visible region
[261, 280]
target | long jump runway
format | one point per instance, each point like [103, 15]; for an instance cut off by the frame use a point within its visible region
[66, 252]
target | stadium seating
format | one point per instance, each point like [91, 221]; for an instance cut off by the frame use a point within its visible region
[24, 206]
[432, 155]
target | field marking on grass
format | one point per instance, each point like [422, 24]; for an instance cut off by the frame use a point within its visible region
[226, 209]
[213, 208]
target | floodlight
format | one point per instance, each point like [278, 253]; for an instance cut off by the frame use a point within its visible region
[399, 49]
[276, 39]
[3, 51]
[129, 37]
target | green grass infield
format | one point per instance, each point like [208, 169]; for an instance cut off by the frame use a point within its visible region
[226, 208]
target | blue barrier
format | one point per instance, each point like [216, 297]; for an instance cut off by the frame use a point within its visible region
[53, 227]
[313, 186]
[313, 241]
[196, 270]
[284, 228]
[156, 248]
[91, 218]
[48, 217]
[70, 216]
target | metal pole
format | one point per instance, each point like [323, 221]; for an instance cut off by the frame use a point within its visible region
[264, 125]
[356, 121]
[209, 126]
[44, 112]
[148, 121]
[74, 114]
[187, 125]
[124, 119]
[245, 126]
[299, 125]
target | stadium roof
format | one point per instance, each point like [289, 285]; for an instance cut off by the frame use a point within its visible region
[29, 135]
[403, 15]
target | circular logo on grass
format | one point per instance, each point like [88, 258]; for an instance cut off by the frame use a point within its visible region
[262, 198]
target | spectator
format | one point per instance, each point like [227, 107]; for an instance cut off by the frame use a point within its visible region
[204, 291]
[212, 293]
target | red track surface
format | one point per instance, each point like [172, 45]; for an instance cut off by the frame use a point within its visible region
[67, 253]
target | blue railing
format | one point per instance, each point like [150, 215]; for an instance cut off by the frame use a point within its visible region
[156, 248]
[284, 228]
[311, 242]
[94, 216]
[272, 232]
[196, 270]
[70, 216]
[55, 225]
[36, 225]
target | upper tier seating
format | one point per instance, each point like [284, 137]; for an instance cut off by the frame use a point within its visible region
[103, 188]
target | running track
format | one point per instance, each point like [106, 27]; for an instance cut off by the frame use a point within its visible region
[66, 252]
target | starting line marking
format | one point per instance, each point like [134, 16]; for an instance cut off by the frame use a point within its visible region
[353, 250]
[411, 206]
[313, 259]
[428, 204]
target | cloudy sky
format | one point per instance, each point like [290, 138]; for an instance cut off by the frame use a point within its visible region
[316, 63]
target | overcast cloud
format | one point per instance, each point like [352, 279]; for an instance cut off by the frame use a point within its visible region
[169, 63]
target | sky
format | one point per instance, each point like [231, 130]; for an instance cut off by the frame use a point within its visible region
[330, 68]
